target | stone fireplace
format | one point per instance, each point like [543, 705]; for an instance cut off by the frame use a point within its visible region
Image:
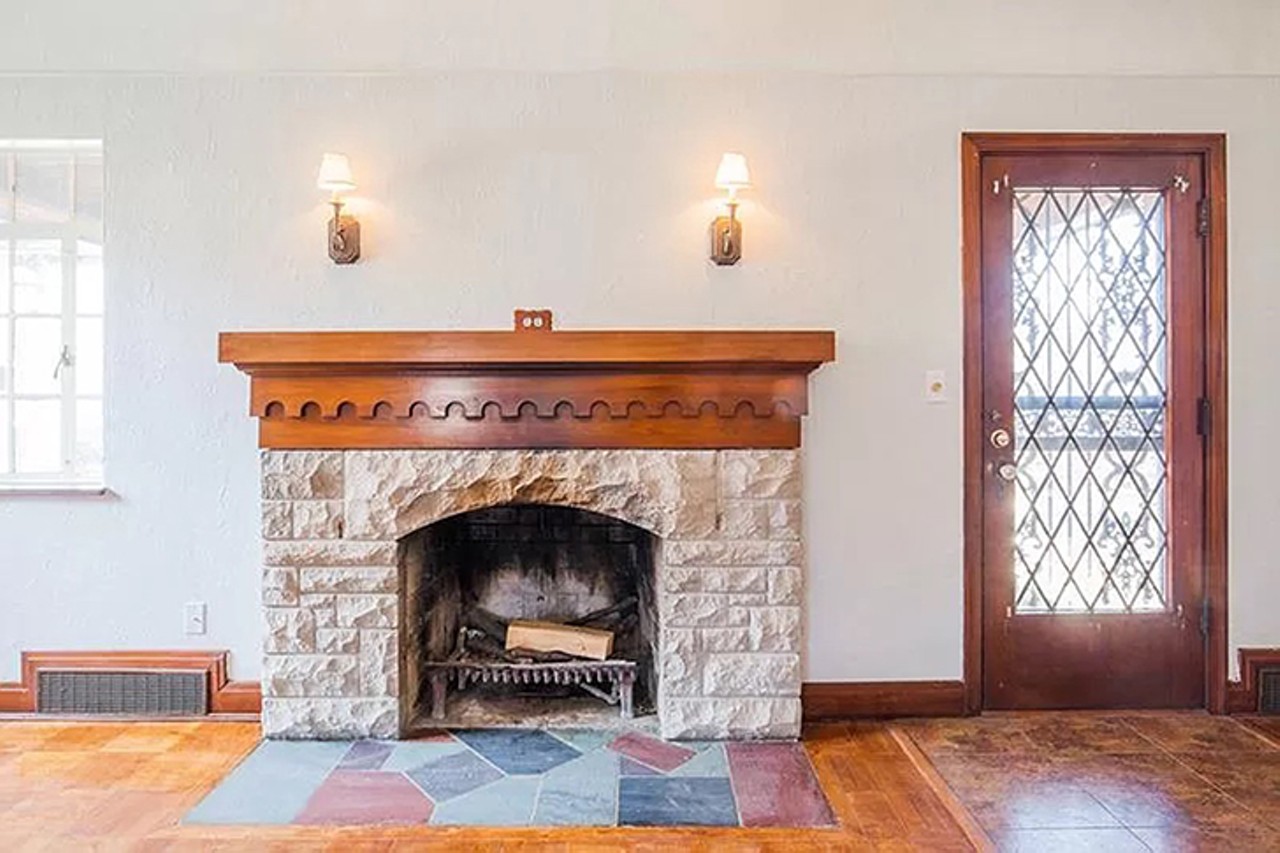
[379, 545]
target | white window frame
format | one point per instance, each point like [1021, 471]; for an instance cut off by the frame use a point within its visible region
[68, 234]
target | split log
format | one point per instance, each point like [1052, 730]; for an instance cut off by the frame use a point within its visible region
[624, 606]
[554, 637]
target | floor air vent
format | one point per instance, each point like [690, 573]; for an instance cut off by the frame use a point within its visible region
[139, 694]
[1269, 690]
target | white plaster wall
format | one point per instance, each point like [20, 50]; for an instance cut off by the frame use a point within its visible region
[586, 187]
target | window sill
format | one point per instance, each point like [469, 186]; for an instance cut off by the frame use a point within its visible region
[54, 490]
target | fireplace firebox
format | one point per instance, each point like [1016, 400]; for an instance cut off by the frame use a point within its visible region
[465, 578]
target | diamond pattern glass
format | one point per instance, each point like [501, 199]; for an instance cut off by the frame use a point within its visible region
[1089, 357]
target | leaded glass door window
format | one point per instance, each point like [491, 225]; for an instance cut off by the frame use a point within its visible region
[1089, 334]
[1093, 324]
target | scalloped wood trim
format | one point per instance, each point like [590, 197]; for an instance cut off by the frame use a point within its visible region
[531, 390]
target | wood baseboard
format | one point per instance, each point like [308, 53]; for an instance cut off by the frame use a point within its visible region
[843, 700]
[1242, 695]
[225, 696]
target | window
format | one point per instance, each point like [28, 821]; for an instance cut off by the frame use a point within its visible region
[51, 352]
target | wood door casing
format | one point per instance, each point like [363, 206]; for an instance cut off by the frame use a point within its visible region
[1148, 160]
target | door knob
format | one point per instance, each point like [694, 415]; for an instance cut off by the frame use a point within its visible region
[1007, 472]
[999, 438]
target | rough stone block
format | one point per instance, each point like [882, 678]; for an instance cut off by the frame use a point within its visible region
[391, 493]
[317, 520]
[289, 630]
[279, 587]
[747, 519]
[277, 519]
[752, 675]
[679, 663]
[348, 579]
[332, 719]
[337, 641]
[696, 610]
[379, 663]
[726, 639]
[785, 520]
[776, 629]
[366, 611]
[329, 553]
[301, 474]
[786, 586]
[310, 675]
[760, 474]
[731, 552]
[683, 579]
[731, 718]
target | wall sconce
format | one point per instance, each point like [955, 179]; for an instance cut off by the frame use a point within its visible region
[726, 231]
[344, 231]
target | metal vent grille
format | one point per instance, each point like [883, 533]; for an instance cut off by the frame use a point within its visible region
[142, 694]
[1269, 690]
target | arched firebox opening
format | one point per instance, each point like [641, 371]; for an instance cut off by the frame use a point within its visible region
[466, 578]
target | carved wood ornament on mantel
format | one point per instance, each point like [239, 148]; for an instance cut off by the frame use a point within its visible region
[528, 388]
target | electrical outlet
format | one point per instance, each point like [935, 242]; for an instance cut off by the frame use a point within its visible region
[194, 617]
[935, 386]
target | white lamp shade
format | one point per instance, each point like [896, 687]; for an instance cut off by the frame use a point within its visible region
[732, 174]
[335, 174]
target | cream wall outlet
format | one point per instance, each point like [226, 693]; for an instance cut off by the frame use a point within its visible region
[194, 617]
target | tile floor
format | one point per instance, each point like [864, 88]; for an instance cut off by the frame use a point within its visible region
[512, 777]
[1051, 781]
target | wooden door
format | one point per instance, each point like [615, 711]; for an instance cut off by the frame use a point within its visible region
[1092, 486]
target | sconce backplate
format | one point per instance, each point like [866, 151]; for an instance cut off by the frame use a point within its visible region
[344, 240]
[726, 241]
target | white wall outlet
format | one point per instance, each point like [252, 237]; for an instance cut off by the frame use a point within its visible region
[935, 386]
[194, 617]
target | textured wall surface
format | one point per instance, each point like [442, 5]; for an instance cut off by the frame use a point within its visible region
[588, 189]
[729, 575]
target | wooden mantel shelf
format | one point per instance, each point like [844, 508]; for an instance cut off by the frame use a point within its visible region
[532, 387]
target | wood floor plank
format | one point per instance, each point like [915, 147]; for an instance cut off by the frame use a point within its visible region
[126, 785]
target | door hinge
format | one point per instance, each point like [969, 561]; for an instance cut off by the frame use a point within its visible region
[1204, 615]
[1203, 415]
[1202, 217]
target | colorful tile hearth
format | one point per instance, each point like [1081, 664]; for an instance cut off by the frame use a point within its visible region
[520, 777]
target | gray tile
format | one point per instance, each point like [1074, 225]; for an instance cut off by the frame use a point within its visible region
[506, 802]
[453, 775]
[272, 785]
[580, 793]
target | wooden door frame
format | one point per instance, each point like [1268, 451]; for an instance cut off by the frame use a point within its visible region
[1212, 147]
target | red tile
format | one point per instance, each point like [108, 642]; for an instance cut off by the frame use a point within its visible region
[356, 797]
[658, 754]
[775, 785]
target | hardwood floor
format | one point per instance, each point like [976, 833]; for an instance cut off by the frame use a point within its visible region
[1093, 781]
[1049, 781]
[125, 786]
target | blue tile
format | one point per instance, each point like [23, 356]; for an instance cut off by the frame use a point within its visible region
[664, 801]
[366, 755]
[272, 785]
[519, 751]
[412, 754]
[583, 792]
[453, 775]
[709, 762]
[507, 802]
